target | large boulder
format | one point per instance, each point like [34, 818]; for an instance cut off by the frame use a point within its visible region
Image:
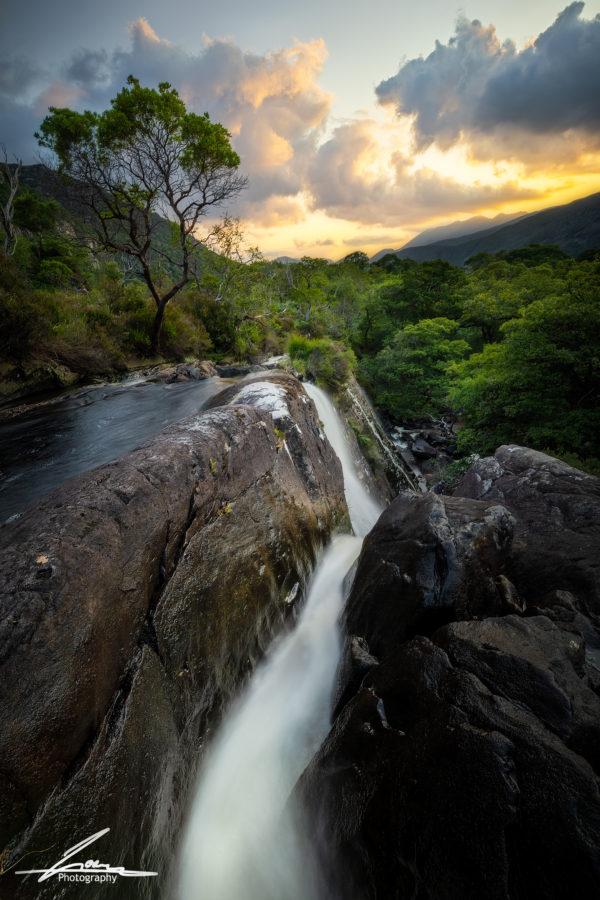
[557, 510]
[135, 600]
[463, 760]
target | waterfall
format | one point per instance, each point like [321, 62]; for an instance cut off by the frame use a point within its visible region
[241, 841]
[364, 509]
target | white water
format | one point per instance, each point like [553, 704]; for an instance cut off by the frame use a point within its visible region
[364, 509]
[240, 842]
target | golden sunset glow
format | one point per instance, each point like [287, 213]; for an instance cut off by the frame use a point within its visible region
[471, 122]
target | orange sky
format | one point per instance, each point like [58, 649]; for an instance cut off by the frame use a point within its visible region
[344, 147]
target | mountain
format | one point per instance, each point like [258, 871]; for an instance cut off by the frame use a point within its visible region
[574, 226]
[460, 229]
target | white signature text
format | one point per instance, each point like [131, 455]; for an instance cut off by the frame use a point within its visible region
[92, 870]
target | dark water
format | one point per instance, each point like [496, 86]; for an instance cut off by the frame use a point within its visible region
[46, 445]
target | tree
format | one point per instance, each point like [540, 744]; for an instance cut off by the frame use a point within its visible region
[358, 258]
[143, 158]
[9, 176]
[541, 385]
[409, 375]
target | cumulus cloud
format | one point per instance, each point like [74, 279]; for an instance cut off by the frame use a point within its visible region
[272, 104]
[89, 68]
[345, 182]
[17, 75]
[59, 94]
[475, 87]
[531, 105]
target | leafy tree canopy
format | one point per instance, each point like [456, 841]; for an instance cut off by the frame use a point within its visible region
[144, 156]
[541, 385]
[409, 375]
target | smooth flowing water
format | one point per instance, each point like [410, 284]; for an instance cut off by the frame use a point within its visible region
[364, 509]
[48, 444]
[241, 842]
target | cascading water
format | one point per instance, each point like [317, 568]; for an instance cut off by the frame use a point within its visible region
[364, 509]
[241, 841]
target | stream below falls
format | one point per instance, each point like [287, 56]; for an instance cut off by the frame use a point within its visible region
[242, 840]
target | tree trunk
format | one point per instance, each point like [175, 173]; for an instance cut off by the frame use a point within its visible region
[157, 327]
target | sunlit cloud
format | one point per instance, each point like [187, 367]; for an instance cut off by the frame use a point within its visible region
[59, 94]
[363, 175]
[478, 126]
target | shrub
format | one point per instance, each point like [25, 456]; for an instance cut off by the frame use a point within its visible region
[329, 362]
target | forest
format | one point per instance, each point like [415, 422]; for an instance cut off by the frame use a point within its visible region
[509, 344]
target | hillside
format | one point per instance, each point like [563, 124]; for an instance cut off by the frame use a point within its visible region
[575, 227]
[43, 180]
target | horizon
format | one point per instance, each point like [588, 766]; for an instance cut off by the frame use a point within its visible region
[481, 116]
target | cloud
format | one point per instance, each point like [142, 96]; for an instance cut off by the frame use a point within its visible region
[59, 94]
[272, 104]
[17, 75]
[474, 87]
[473, 96]
[349, 179]
[89, 68]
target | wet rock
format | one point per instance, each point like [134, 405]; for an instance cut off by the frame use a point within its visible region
[465, 764]
[429, 560]
[355, 662]
[135, 599]
[422, 449]
[237, 371]
[276, 362]
[36, 377]
[183, 372]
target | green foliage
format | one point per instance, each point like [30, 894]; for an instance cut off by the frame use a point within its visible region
[23, 319]
[512, 341]
[330, 363]
[408, 293]
[144, 156]
[409, 375]
[452, 474]
[35, 213]
[358, 259]
[540, 386]
[53, 272]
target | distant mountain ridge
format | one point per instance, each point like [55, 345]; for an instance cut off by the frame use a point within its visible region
[463, 228]
[573, 226]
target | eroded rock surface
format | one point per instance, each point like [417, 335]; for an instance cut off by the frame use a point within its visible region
[463, 761]
[135, 599]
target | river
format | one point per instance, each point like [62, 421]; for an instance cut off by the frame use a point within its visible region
[47, 444]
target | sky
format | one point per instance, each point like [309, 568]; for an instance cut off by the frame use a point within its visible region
[358, 125]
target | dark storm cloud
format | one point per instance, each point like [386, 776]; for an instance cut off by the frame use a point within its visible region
[17, 75]
[553, 85]
[476, 85]
[89, 68]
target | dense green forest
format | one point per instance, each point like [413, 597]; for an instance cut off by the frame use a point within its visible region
[509, 344]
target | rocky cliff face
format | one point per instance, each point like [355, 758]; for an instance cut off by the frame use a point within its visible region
[463, 761]
[135, 599]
